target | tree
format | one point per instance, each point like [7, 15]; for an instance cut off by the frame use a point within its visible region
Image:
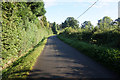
[118, 20]
[87, 25]
[37, 8]
[65, 24]
[105, 23]
[54, 28]
[70, 22]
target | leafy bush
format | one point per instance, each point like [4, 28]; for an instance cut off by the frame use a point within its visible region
[103, 45]
[108, 38]
[107, 56]
[21, 29]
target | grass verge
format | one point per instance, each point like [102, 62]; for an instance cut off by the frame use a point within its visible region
[21, 68]
[106, 56]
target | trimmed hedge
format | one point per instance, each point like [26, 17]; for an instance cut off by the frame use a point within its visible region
[20, 69]
[21, 30]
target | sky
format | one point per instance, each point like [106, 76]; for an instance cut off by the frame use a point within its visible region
[59, 10]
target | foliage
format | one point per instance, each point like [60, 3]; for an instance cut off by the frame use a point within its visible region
[101, 42]
[44, 20]
[55, 27]
[21, 30]
[105, 23]
[108, 38]
[95, 35]
[21, 67]
[106, 56]
[87, 25]
[70, 22]
[37, 8]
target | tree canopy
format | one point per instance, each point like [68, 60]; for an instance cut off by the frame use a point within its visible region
[70, 22]
[37, 8]
[87, 25]
[105, 22]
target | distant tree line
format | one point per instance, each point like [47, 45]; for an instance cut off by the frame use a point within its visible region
[105, 23]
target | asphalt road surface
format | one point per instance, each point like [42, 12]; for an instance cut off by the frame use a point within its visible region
[60, 61]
